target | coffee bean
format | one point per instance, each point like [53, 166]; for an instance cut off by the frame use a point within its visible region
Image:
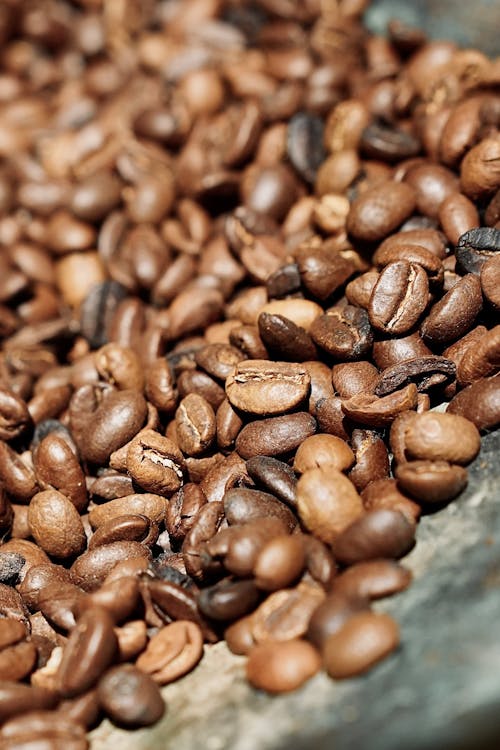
[378, 533]
[55, 524]
[182, 510]
[380, 210]
[129, 528]
[195, 424]
[14, 416]
[275, 476]
[384, 493]
[275, 436]
[305, 144]
[364, 640]
[426, 372]
[398, 298]
[129, 697]
[321, 451]
[373, 579]
[91, 568]
[431, 481]
[327, 502]
[279, 563]
[442, 437]
[351, 378]
[261, 387]
[228, 600]
[345, 333]
[173, 652]
[16, 476]
[479, 403]
[57, 467]
[331, 615]
[379, 412]
[372, 460]
[151, 506]
[89, 651]
[278, 667]
[284, 340]
[480, 360]
[490, 272]
[243, 505]
[155, 463]
[475, 247]
[379, 141]
[478, 173]
[17, 699]
[432, 184]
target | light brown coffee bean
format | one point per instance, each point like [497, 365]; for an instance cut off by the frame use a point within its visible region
[431, 481]
[173, 652]
[399, 297]
[262, 387]
[129, 697]
[364, 640]
[195, 425]
[373, 579]
[155, 463]
[146, 504]
[93, 566]
[321, 451]
[279, 563]
[327, 502]
[380, 210]
[479, 403]
[280, 667]
[442, 437]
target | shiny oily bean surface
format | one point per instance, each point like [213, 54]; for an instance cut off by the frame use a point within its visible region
[380, 210]
[373, 579]
[364, 640]
[399, 297]
[275, 436]
[173, 652]
[265, 388]
[55, 524]
[378, 533]
[280, 667]
[129, 697]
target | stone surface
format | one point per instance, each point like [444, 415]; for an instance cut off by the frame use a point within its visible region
[440, 690]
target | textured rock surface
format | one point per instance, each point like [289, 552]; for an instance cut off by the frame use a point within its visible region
[440, 690]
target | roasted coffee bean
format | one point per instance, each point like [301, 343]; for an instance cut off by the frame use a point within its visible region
[129, 697]
[243, 505]
[361, 642]
[285, 614]
[195, 425]
[275, 476]
[57, 467]
[384, 493]
[479, 403]
[331, 615]
[88, 653]
[15, 418]
[91, 568]
[372, 460]
[389, 352]
[475, 247]
[262, 387]
[239, 546]
[11, 565]
[129, 528]
[305, 144]
[205, 526]
[350, 378]
[60, 602]
[442, 437]
[480, 360]
[284, 281]
[173, 652]
[327, 502]
[373, 579]
[275, 436]
[238, 636]
[345, 333]
[155, 463]
[379, 412]
[426, 372]
[102, 426]
[321, 451]
[228, 600]
[218, 360]
[399, 297]
[379, 141]
[151, 506]
[455, 313]
[279, 667]
[377, 534]
[380, 210]
[183, 509]
[490, 274]
[17, 477]
[18, 699]
[392, 252]
[284, 340]
[279, 563]
[431, 481]
[322, 270]
[55, 524]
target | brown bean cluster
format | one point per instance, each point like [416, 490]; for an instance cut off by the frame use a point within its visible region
[245, 248]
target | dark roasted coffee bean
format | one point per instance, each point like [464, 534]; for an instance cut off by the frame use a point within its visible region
[379, 141]
[379, 412]
[426, 372]
[490, 280]
[331, 615]
[372, 459]
[480, 360]
[455, 313]
[182, 510]
[275, 476]
[16, 476]
[129, 528]
[97, 311]
[284, 281]
[380, 210]
[284, 340]
[91, 568]
[305, 144]
[129, 697]
[15, 418]
[345, 333]
[475, 247]
[228, 600]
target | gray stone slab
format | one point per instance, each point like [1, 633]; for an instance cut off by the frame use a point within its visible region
[441, 690]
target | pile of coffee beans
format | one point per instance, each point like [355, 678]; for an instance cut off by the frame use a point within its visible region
[246, 247]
